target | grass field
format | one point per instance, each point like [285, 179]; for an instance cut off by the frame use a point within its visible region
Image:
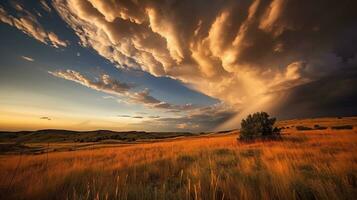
[312, 164]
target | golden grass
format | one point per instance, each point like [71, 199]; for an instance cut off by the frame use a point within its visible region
[325, 121]
[320, 164]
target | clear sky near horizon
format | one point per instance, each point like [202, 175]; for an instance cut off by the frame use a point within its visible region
[173, 65]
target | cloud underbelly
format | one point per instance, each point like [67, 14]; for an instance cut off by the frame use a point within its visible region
[237, 51]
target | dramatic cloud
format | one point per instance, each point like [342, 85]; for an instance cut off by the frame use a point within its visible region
[27, 23]
[241, 52]
[334, 95]
[250, 54]
[111, 86]
[28, 58]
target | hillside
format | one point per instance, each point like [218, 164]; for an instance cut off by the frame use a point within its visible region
[84, 136]
[43, 141]
[304, 164]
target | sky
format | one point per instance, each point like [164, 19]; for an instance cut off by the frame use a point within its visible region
[169, 65]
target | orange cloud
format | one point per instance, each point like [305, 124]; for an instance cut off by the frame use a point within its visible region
[237, 51]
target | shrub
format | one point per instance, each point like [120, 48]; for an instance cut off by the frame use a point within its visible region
[303, 128]
[318, 127]
[342, 127]
[258, 125]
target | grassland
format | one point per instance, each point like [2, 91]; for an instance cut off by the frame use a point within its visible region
[311, 164]
[43, 141]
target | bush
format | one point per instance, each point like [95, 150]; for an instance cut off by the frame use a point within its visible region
[303, 128]
[318, 127]
[342, 127]
[258, 126]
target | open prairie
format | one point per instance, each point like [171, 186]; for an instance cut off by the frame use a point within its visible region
[307, 164]
[178, 99]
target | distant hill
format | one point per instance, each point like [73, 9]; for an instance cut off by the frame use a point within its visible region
[54, 135]
[42, 141]
[48, 140]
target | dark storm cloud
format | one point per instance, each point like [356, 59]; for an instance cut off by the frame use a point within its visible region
[245, 53]
[334, 95]
[294, 29]
[220, 47]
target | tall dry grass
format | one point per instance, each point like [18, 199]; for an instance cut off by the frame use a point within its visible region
[313, 165]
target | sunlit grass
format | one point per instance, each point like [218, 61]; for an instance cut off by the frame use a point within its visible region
[304, 165]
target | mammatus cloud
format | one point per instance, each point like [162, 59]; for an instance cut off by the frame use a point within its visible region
[28, 58]
[123, 90]
[28, 24]
[250, 54]
[241, 52]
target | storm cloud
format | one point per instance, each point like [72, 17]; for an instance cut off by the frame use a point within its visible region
[334, 95]
[236, 51]
[252, 55]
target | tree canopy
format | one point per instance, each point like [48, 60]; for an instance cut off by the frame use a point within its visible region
[258, 125]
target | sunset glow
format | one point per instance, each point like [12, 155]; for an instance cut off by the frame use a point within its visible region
[178, 99]
[173, 65]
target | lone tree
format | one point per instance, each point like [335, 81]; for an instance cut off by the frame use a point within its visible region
[258, 126]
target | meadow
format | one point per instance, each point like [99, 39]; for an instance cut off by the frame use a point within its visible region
[307, 164]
